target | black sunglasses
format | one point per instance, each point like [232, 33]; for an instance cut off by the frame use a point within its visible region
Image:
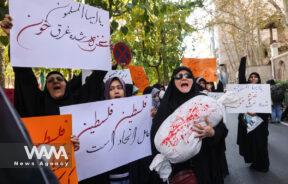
[180, 76]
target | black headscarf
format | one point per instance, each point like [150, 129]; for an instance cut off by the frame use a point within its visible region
[52, 105]
[30, 100]
[257, 74]
[172, 99]
[55, 72]
[147, 90]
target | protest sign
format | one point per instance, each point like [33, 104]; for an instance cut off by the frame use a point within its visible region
[112, 133]
[254, 98]
[202, 67]
[55, 131]
[139, 77]
[215, 95]
[59, 34]
[13, 139]
[122, 74]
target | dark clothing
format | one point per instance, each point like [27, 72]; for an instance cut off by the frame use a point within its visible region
[285, 113]
[206, 164]
[277, 94]
[253, 146]
[31, 101]
[92, 90]
[12, 131]
[220, 87]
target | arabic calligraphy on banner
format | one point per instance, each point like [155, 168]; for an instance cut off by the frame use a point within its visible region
[55, 131]
[139, 77]
[123, 74]
[253, 98]
[112, 133]
[202, 67]
[59, 34]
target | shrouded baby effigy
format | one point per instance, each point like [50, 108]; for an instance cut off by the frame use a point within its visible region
[176, 139]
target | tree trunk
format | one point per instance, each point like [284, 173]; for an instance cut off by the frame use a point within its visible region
[163, 54]
[285, 3]
[158, 75]
[2, 70]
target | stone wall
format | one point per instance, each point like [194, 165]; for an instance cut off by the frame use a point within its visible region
[280, 67]
[264, 71]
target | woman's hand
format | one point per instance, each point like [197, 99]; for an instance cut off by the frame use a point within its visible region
[204, 131]
[153, 112]
[6, 24]
[75, 142]
[251, 113]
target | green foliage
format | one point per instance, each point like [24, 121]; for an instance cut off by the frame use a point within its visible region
[154, 29]
[3, 8]
[124, 30]
[114, 25]
[4, 40]
[283, 83]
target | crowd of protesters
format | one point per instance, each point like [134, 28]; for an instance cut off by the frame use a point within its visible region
[209, 166]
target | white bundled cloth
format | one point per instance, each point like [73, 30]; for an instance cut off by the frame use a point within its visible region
[175, 139]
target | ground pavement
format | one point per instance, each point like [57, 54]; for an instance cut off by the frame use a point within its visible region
[278, 153]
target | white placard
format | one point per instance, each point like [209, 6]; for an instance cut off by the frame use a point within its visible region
[111, 133]
[253, 98]
[215, 95]
[59, 34]
[122, 74]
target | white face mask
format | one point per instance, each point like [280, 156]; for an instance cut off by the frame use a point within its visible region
[161, 94]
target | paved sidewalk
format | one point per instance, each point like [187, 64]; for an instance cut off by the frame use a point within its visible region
[278, 153]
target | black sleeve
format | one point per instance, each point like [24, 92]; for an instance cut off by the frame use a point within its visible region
[221, 132]
[27, 93]
[93, 89]
[129, 89]
[242, 71]
[264, 116]
[75, 83]
[220, 87]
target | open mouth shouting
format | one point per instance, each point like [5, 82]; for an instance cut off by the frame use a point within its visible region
[183, 81]
[56, 86]
[185, 86]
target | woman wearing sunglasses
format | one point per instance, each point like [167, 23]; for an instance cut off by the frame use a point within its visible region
[205, 167]
[253, 146]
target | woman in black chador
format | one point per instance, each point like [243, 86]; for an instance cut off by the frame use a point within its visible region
[31, 101]
[253, 146]
[205, 167]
